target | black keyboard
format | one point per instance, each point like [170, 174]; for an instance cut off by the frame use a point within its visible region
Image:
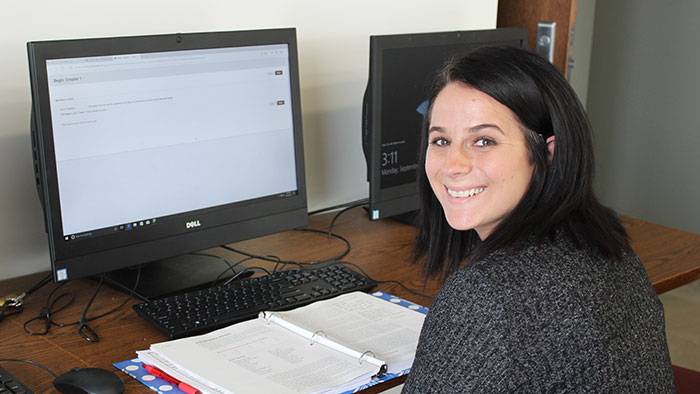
[10, 385]
[205, 310]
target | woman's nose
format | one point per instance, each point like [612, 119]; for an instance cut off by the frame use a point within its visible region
[457, 161]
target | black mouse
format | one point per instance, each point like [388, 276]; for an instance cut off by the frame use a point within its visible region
[89, 381]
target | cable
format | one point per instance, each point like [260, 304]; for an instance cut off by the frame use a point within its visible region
[247, 269]
[333, 208]
[14, 305]
[386, 281]
[30, 362]
[131, 294]
[278, 261]
[49, 309]
[228, 263]
[38, 286]
[330, 235]
[329, 232]
[84, 328]
[330, 227]
[232, 269]
[273, 259]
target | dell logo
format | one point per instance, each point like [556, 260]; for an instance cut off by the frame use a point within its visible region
[192, 224]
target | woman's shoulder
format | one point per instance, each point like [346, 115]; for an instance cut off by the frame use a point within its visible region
[555, 259]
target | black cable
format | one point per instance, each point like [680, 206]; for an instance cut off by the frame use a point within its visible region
[235, 276]
[14, 305]
[333, 208]
[273, 259]
[331, 235]
[30, 362]
[414, 292]
[232, 269]
[247, 269]
[330, 227]
[84, 328]
[406, 288]
[48, 310]
[131, 294]
[243, 271]
[228, 263]
[39, 285]
[278, 261]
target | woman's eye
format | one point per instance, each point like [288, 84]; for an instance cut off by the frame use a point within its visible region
[439, 142]
[482, 141]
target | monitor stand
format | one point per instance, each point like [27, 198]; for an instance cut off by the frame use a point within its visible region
[407, 217]
[171, 276]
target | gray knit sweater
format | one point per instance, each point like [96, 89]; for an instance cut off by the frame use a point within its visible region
[547, 318]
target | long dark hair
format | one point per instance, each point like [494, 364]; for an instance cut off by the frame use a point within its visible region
[560, 195]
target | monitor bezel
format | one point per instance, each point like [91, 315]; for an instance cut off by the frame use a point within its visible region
[403, 199]
[218, 225]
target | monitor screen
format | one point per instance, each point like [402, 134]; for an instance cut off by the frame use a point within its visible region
[154, 146]
[401, 70]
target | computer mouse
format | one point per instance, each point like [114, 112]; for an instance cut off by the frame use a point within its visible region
[89, 381]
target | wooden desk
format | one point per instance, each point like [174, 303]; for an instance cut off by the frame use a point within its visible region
[382, 248]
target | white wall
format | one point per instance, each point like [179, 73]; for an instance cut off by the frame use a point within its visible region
[583, 42]
[333, 39]
[643, 96]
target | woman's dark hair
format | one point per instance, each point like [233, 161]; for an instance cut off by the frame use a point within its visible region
[560, 196]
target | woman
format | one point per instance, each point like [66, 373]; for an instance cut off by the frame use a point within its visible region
[543, 291]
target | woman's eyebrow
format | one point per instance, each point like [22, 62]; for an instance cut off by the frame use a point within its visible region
[473, 129]
[482, 126]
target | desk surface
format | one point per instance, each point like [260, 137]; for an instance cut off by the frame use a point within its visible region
[381, 248]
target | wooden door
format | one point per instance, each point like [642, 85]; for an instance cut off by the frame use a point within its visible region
[527, 13]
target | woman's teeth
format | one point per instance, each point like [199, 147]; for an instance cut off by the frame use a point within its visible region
[465, 193]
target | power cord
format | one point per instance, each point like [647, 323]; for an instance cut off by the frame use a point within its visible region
[329, 232]
[83, 327]
[363, 201]
[336, 259]
[386, 281]
[352, 205]
[14, 305]
[29, 362]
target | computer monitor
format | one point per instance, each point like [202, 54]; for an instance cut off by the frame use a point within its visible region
[401, 70]
[151, 147]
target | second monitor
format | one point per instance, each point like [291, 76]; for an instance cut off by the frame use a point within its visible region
[401, 71]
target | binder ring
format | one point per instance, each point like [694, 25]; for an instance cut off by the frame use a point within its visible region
[319, 332]
[267, 316]
[367, 353]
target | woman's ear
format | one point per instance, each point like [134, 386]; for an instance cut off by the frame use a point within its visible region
[550, 149]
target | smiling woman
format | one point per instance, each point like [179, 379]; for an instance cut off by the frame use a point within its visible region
[543, 292]
[477, 161]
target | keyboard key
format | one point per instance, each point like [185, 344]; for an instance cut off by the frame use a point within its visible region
[10, 384]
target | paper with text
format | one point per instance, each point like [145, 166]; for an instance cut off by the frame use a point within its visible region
[364, 323]
[256, 356]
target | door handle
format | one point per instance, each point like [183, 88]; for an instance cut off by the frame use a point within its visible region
[545, 40]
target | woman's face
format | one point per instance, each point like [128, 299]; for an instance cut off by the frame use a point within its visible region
[477, 160]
